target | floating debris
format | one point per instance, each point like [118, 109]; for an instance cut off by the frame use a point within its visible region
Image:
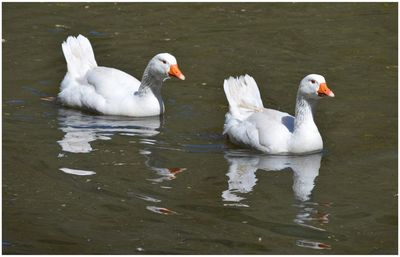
[78, 172]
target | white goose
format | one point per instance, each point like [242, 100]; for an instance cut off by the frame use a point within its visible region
[111, 91]
[249, 124]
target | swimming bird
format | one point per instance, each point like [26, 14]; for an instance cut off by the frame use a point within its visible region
[249, 124]
[111, 91]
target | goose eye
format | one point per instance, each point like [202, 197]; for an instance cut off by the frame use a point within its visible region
[313, 81]
[164, 61]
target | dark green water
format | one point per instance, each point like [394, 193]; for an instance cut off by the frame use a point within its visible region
[218, 199]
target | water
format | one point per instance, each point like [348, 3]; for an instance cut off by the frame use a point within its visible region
[74, 182]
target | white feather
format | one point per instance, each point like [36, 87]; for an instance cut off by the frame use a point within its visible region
[243, 96]
[79, 55]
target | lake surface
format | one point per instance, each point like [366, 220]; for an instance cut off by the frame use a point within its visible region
[78, 183]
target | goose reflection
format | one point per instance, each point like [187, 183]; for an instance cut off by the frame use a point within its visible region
[81, 129]
[153, 162]
[243, 167]
[242, 180]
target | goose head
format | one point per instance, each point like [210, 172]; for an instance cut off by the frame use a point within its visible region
[314, 86]
[164, 65]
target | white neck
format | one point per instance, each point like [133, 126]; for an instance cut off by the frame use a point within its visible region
[304, 112]
[306, 137]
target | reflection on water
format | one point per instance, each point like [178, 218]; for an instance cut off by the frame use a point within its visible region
[165, 174]
[242, 180]
[80, 129]
[243, 167]
[160, 210]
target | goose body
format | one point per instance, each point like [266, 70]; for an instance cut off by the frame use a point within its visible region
[111, 91]
[249, 124]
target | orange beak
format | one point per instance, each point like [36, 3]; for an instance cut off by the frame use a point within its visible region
[325, 91]
[175, 71]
